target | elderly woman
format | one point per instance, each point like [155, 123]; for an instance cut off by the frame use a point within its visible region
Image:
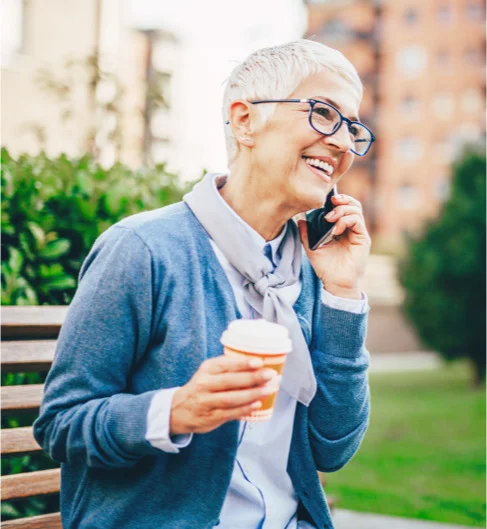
[141, 407]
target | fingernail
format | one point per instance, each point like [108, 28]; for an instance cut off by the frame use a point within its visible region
[330, 215]
[268, 374]
[333, 231]
[270, 388]
[256, 362]
[256, 405]
[339, 196]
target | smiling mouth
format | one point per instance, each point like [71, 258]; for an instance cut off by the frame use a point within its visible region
[319, 164]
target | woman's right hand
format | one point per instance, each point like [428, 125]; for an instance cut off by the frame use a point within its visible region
[224, 388]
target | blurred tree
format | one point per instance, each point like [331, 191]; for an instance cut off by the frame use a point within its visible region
[444, 271]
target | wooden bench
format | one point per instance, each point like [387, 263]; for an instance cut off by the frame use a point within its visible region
[28, 345]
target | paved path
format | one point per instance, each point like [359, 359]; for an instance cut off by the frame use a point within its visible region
[358, 520]
[407, 361]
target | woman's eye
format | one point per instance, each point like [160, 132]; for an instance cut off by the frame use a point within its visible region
[323, 112]
[354, 131]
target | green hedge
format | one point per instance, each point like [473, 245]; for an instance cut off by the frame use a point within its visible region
[54, 209]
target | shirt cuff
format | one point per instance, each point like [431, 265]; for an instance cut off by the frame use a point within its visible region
[357, 306]
[158, 424]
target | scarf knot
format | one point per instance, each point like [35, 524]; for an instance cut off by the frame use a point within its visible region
[266, 282]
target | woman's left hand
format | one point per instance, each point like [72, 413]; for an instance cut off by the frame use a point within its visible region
[341, 263]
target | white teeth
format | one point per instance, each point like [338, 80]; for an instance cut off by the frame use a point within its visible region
[321, 164]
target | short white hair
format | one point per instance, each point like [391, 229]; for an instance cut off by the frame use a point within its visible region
[275, 72]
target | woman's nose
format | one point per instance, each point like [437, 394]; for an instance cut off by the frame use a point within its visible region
[341, 139]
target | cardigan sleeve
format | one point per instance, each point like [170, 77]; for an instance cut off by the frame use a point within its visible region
[339, 413]
[87, 411]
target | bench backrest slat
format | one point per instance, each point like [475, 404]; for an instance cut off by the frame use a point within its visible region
[27, 356]
[45, 521]
[32, 322]
[21, 398]
[18, 441]
[29, 484]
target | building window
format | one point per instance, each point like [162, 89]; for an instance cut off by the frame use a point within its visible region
[160, 124]
[411, 16]
[444, 12]
[410, 149]
[443, 105]
[473, 56]
[467, 133]
[12, 27]
[443, 59]
[449, 148]
[441, 188]
[475, 10]
[106, 91]
[410, 107]
[408, 197]
[411, 61]
[165, 54]
[471, 101]
[443, 151]
[161, 150]
[336, 30]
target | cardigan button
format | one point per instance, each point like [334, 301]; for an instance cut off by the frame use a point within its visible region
[217, 523]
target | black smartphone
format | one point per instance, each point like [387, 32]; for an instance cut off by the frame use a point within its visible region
[319, 229]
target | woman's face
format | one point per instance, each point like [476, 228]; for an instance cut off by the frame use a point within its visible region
[285, 146]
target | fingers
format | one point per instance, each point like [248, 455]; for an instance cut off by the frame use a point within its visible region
[237, 414]
[194, 411]
[346, 199]
[238, 398]
[340, 211]
[355, 223]
[230, 364]
[348, 215]
[239, 380]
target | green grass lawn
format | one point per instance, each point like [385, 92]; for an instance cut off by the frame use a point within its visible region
[424, 453]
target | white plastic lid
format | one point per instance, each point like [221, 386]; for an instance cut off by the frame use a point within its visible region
[257, 336]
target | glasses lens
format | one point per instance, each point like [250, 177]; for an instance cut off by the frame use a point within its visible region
[361, 138]
[325, 118]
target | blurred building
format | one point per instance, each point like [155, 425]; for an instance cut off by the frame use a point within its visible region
[139, 82]
[65, 87]
[81, 77]
[423, 68]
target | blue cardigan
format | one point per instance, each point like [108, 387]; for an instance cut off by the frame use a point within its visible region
[151, 305]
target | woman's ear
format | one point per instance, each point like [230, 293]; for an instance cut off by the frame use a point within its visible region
[240, 117]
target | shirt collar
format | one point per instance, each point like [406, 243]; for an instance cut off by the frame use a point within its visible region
[274, 244]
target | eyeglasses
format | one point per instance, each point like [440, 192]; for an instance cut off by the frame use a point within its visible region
[326, 119]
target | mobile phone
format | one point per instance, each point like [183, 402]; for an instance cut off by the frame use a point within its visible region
[319, 229]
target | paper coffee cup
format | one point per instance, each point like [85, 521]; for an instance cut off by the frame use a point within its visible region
[266, 340]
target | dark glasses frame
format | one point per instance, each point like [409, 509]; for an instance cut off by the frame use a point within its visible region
[312, 103]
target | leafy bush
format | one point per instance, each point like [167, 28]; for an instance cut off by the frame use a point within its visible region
[444, 272]
[54, 209]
